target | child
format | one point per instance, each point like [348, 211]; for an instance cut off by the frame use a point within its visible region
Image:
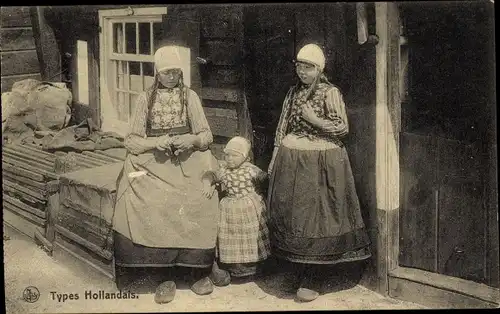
[243, 237]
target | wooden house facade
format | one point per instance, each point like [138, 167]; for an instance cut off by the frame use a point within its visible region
[420, 101]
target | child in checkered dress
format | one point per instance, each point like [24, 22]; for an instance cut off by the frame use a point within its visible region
[243, 238]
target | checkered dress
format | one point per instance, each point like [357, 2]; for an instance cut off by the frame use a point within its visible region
[243, 234]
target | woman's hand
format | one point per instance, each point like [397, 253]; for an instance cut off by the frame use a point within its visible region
[163, 143]
[208, 188]
[185, 142]
[309, 115]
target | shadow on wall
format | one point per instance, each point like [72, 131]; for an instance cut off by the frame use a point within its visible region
[360, 142]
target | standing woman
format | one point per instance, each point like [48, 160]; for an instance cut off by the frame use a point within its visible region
[161, 217]
[314, 208]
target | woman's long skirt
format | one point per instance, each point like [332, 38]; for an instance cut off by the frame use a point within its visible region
[161, 217]
[314, 208]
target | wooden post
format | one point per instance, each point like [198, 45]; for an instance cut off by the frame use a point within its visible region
[46, 45]
[388, 112]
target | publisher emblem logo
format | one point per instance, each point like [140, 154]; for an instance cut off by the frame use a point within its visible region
[31, 294]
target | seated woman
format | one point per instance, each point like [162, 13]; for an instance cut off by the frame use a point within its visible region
[162, 219]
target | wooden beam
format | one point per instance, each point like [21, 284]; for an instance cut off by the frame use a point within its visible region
[52, 213]
[44, 241]
[94, 82]
[87, 244]
[440, 291]
[9, 157]
[223, 94]
[24, 206]
[21, 172]
[16, 188]
[449, 283]
[30, 156]
[70, 254]
[33, 151]
[19, 179]
[88, 220]
[70, 217]
[26, 215]
[20, 223]
[47, 47]
[388, 111]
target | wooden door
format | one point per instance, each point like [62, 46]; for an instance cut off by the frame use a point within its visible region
[446, 146]
[442, 219]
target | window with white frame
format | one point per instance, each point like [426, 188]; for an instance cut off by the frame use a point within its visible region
[129, 42]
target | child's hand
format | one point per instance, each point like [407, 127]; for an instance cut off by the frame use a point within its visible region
[208, 188]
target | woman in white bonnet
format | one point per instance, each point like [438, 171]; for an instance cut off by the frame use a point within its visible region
[315, 213]
[162, 219]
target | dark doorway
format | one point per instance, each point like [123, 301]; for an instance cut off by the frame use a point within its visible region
[270, 49]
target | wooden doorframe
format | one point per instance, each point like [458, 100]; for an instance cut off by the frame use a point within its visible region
[430, 289]
[388, 117]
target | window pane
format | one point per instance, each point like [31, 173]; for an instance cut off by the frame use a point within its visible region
[157, 35]
[135, 68]
[145, 38]
[121, 74]
[118, 37]
[148, 69]
[130, 34]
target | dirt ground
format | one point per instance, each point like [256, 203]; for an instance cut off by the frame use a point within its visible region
[26, 265]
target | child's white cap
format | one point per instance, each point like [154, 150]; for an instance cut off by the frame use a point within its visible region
[239, 145]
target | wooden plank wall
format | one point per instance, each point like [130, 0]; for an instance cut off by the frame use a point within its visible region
[223, 94]
[18, 52]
